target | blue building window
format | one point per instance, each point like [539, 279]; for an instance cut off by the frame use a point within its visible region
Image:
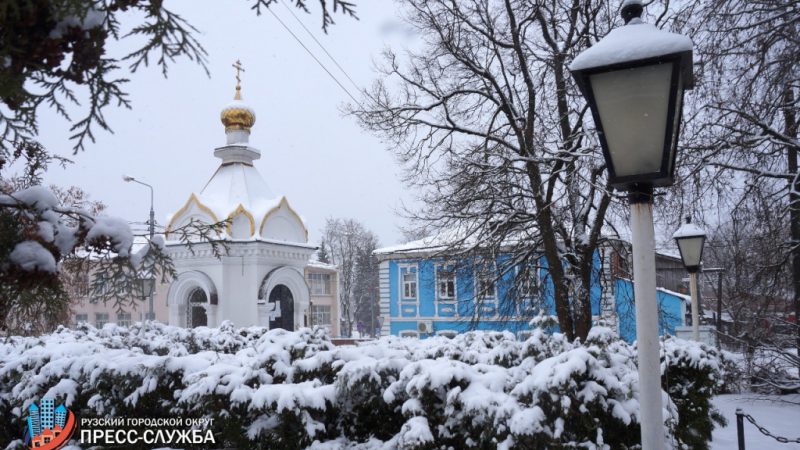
[409, 276]
[445, 283]
[485, 285]
[529, 291]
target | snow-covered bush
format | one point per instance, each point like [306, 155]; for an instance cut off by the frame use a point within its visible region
[692, 373]
[278, 389]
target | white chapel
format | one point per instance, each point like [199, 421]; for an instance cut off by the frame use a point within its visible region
[262, 279]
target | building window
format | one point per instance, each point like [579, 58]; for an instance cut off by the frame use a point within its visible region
[446, 283]
[100, 319]
[82, 285]
[81, 319]
[321, 315]
[485, 283]
[124, 319]
[528, 287]
[410, 285]
[320, 283]
[100, 286]
[409, 334]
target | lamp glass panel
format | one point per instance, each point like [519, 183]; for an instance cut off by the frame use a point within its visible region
[691, 249]
[144, 286]
[633, 105]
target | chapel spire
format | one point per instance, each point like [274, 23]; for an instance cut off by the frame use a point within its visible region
[237, 116]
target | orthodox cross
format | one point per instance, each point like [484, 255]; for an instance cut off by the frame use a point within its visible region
[238, 66]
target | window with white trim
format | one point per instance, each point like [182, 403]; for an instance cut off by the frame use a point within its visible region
[124, 319]
[450, 334]
[100, 319]
[320, 283]
[410, 284]
[485, 285]
[321, 315]
[81, 319]
[445, 283]
[409, 334]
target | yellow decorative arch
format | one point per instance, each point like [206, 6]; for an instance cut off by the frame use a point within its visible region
[241, 210]
[277, 207]
[192, 199]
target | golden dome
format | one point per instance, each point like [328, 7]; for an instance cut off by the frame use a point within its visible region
[237, 115]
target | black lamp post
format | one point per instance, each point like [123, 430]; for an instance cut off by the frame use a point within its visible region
[633, 81]
[690, 239]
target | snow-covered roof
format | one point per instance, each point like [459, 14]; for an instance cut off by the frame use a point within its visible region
[238, 184]
[632, 42]
[321, 265]
[238, 192]
[431, 244]
[424, 245]
[669, 253]
[683, 297]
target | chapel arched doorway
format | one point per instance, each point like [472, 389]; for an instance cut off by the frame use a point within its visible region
[196, 315]
[283, 300]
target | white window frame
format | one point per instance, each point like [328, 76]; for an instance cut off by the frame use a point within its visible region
[410, 269]
[81, 318]
[97, 322]
[409, 334]
[532, 291]
[122, 321]
[317, 279]
[316, 313]
[443, 268]
[479, 276]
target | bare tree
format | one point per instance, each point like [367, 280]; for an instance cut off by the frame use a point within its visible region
[366, 287]
[348, 242]
[757, 287]
[742, 145]
[490, 128]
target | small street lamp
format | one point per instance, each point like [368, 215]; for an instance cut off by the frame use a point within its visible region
[633, 81]
[145, 286]
[690, 239]
[151, 314]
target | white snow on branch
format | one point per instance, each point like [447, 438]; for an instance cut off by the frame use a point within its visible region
[30, 255]
[116, 230]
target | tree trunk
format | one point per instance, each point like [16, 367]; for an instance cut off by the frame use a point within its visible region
[790, 125]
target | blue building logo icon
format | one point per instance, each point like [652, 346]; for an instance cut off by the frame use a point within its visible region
[49, 427]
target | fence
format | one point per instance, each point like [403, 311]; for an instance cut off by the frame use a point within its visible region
[740, 416]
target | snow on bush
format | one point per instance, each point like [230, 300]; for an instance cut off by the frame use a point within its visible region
[280, 389]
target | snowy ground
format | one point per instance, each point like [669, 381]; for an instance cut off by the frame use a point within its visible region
[775, 413]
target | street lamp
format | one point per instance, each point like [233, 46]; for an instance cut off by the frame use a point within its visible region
[633, 81]
[690, 239]
[151, 315]
[145, 286]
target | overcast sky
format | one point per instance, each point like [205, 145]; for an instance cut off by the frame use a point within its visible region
[324, 163]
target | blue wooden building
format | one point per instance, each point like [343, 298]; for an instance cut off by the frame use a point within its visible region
[423, 294]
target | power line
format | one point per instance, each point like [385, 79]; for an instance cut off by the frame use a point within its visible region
[313, 56]
[321, 46]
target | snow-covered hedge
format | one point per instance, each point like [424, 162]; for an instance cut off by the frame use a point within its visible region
[279, 389]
